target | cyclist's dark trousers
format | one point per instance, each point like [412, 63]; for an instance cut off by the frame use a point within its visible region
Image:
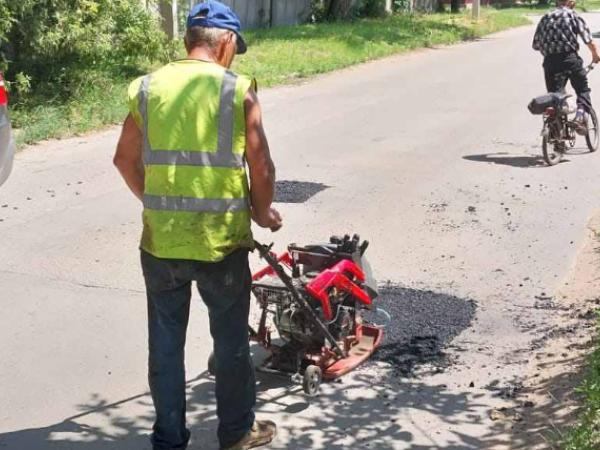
[559, 68]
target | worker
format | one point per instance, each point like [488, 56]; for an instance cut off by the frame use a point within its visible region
[192, 128]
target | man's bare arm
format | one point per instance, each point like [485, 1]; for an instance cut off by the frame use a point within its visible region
[586, 36]
[128, 157]
[261, 167]
[594, 50]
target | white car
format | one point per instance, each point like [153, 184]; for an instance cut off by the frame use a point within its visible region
[7, 143]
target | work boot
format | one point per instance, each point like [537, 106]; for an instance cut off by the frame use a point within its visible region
[261, 433]
[581, 122]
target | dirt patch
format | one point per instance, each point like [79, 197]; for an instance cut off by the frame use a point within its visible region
[548, 401]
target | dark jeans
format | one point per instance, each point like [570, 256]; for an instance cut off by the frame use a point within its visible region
[225, 288]
[559, 68]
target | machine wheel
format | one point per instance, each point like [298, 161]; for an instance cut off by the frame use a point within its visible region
[592, 136]
[312, 380]
[212, 368]
[553, 153]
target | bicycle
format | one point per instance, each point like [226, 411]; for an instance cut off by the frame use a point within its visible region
[559, 129]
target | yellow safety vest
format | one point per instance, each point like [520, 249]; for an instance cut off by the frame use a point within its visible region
[196, 196]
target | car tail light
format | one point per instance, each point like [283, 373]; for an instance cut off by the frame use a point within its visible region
[3, 94]
[550, 112]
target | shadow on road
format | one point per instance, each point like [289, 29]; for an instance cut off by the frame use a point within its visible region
[343, 420]
[369, 409]
[507, 159]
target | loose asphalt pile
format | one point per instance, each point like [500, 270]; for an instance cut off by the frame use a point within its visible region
[296, 191]
[422, 324]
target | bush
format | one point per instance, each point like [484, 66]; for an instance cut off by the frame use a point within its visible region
[68, 43]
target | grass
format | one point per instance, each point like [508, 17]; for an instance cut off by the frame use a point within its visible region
[286, 54]
[585, 435]
[589, 5]
[95, 107]
[277, 56]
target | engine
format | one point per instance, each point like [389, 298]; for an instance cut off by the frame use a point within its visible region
[293, 324]
[311, 301]
[331, 277]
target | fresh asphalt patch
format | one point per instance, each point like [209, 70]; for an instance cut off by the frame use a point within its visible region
[422, 323]
[287, 191]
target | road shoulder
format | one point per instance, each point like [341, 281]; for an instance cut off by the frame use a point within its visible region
[547, 403]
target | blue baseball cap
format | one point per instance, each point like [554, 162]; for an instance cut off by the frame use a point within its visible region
[213, 14]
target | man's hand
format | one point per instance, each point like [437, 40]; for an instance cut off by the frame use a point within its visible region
[268, 219]
[594, 51]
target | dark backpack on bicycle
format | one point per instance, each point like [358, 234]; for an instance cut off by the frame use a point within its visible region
[551, 100]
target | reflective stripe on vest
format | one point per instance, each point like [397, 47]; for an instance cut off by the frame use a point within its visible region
[224, 157]
[192, 204]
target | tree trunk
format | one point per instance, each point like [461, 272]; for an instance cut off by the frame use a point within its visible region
[455, 6]
[168, 12]
[339, 9]
[329, 9]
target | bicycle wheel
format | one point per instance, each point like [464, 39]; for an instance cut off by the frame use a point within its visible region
[592, 137]
[553, 153]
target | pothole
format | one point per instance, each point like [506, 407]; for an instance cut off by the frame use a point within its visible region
[422, 324]
[288, 191]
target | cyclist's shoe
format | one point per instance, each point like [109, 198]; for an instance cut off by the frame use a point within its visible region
[261, 433]
[581, 123]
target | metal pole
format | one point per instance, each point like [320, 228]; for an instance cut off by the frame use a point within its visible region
[168, 12]
[476, 4]
[175, 12]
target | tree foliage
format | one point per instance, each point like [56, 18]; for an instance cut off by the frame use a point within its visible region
[67, 41]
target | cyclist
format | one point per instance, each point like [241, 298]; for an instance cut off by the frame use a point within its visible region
[556, 38]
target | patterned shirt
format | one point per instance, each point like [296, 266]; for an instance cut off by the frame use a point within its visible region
[558, 30]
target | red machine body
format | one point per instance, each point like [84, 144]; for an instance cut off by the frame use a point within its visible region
[338, 277]
[3, 93]
[316, 294]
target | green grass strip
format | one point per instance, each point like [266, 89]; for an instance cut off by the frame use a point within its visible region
[589, 5]
[585, 435]
[282, 55]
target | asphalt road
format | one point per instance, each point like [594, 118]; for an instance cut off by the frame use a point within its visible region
[431, 156]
